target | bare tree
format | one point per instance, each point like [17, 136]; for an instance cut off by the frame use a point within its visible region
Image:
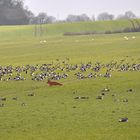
[127, 15]
[50, 19]
[105, 16]
[130, 15]
[71, 18]
[83, 17]
[42, 17]
[77, 18]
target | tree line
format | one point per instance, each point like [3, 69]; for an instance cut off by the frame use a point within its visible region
[14, 12]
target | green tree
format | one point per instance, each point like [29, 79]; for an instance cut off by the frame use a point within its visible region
[12, 12]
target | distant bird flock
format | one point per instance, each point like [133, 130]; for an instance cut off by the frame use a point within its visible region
[58, 70]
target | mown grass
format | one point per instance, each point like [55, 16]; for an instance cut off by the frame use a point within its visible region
[53, 113]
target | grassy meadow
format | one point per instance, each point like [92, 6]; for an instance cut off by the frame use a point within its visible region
[53, 113]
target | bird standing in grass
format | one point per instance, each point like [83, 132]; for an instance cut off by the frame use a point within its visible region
[123, 120]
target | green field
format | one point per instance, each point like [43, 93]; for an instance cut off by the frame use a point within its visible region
[54, 113]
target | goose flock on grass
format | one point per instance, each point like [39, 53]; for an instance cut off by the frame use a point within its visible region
[63, 69]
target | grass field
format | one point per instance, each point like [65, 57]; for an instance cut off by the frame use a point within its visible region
[53, 113]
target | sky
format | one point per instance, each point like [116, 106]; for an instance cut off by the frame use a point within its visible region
[62, 8]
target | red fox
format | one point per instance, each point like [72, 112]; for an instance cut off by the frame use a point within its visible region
[52, 83]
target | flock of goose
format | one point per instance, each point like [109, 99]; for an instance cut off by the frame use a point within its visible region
[64, 69]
